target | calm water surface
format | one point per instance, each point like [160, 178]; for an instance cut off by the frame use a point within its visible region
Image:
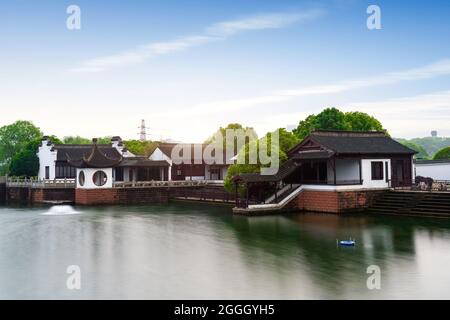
[186, 251]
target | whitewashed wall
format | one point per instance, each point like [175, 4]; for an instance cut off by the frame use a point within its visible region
[46, 158]
[367, 174]
[88, 178]
[158, 155]
[437, 171]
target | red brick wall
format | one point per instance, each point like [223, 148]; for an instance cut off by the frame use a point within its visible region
[333, 201]
[121, 196]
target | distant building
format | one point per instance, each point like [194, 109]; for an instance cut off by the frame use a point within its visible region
[61, 161]
[434, 133]
[195, 168]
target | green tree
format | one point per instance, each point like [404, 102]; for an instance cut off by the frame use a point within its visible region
[76, 140]
[233, 144]
[13, 139]
[334, 119]
[360, 121]
[25, 162]
[287, 140]
[142, 148]
[443, 154]
[83, 140]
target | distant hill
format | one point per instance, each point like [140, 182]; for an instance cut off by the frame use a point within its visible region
[430, 145]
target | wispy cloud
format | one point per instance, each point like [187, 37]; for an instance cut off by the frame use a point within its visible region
[439, 68]
[217, 31]
[436, 69]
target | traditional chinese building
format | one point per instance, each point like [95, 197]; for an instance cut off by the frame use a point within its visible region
[330, 171]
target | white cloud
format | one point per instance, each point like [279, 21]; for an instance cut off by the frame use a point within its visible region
[218, 31]
[436, 69]
[433, 70]
[406, 116]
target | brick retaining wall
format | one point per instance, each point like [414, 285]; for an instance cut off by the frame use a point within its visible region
[333, 201]
[39, 195]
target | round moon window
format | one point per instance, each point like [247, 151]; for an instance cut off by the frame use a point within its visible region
[81, 178]
[99, 178]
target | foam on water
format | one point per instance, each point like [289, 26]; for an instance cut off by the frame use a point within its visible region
[61, 210]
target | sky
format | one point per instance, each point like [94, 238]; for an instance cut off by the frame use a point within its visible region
[188, 67]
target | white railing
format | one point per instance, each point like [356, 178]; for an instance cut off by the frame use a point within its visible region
[156, 184]
[38, 183]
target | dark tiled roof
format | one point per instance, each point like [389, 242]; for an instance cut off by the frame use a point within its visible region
[79, 151]
[142, 162]
[348, 142]
[96, 159]
[312, 155]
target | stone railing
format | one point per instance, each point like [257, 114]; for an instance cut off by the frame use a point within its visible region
[158, 184]
[38, 183]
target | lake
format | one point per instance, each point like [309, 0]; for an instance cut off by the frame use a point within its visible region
[193, 251]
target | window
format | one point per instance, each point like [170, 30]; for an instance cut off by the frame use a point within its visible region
[377, 170]
[47, 172]
[81, 178]
[99, 178]
[119, 174]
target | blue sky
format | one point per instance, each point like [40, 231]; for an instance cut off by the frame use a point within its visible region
[188, 67]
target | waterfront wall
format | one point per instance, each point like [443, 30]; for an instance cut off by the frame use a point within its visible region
[38, 195]
[121, 196]
[141, 195]
[334, 201]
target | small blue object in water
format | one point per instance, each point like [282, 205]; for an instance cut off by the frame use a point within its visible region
[347, 243]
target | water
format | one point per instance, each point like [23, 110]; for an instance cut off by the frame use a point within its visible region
[185, 251]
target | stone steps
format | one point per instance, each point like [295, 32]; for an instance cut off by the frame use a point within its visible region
[413, 203]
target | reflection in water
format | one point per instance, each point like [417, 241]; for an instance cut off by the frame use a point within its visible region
[189, 251]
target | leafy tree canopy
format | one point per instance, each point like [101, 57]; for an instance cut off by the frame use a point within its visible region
[13, 139]
[334, 119]
[142, 148]
[287, 140]
[25, 162]
[443, 154]
[234, 144]
[83, 140]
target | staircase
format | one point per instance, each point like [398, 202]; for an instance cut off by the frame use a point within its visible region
[436, 204]
[284, 198]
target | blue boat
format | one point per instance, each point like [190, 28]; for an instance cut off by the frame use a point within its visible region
[347, 243]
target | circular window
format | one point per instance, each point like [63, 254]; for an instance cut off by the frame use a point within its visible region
[99, 178]
[81, 178]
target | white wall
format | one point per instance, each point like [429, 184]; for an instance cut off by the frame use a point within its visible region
[346, 169]
[437, 171]
[46, 158]
[367, 174]
[89, 182]
[158, 155]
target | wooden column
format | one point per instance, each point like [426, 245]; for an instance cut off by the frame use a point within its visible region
[360, 171]
[334, 169]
